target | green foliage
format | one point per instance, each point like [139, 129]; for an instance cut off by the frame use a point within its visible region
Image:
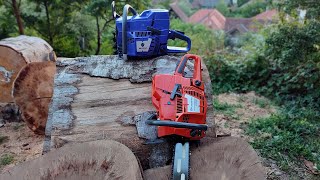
[261, 102]
[282, 63]
[186, 7]
[6, 159]
[250, 9]
[242, 2]
[291, 7]
[286, 137]
[165, 4]
[204, 40]
[6, 19]
[223, 8]
[285, 66]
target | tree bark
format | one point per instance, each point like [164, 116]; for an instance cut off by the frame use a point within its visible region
[98, 36]
[48, 22]
[16, 11]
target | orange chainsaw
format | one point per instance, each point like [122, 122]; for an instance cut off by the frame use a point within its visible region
[181, 110]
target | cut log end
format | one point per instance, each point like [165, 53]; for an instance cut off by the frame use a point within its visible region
[32, 92]
[92, 160]
[219, 158]
[17, 52]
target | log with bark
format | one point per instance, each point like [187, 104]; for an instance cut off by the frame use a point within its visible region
[16, 53]
[104, 97]
[27, 68]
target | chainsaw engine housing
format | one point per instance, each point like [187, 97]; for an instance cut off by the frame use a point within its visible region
[147, 34]
[141, 41]
[181, 100]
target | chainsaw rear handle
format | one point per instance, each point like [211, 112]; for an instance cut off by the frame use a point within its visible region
[197, 67]
[175, 124]
[126, 8]
[175, 34]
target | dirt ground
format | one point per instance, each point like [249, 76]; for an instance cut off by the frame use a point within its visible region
[20, 143]
[246, 107]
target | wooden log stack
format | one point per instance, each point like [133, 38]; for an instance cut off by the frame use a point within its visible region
[27, 68]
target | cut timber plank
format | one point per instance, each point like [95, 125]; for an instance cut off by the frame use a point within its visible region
[95, 98]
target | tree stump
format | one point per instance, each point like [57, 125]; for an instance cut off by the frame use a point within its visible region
[16, 53]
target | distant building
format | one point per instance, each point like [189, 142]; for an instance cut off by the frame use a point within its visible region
[233, 27]
[211, 3]
[213, 19]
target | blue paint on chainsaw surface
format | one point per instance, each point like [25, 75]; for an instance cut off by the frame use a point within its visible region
[148, 34]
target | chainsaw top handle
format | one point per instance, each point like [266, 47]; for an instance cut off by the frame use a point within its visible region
[197, 77]
[126, 8]
[115, 15]
[179, 35]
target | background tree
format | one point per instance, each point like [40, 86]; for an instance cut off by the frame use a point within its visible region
[290, 7]
[14, 6]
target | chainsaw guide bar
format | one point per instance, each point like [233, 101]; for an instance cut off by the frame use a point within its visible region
[181, 162]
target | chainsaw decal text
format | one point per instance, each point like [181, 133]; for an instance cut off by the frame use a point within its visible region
[143, 46]
[193, 103]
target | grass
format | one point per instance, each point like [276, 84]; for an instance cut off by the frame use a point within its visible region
[6, 159]
[226, 109]
[261, 102]
[291, 137]
[3, 139]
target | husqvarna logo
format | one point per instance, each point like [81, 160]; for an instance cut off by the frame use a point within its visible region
[143, 46]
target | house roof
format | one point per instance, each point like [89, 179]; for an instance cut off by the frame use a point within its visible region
[174, 6]
[213, 19]
[267, 15]
[210, 17]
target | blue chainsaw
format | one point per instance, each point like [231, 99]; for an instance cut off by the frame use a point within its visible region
[146, 34]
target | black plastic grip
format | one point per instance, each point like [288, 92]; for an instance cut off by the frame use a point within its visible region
[182, 66]
[175, 124]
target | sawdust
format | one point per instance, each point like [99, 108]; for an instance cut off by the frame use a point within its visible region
[248, 107]
[102, 159]
[21, 143]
